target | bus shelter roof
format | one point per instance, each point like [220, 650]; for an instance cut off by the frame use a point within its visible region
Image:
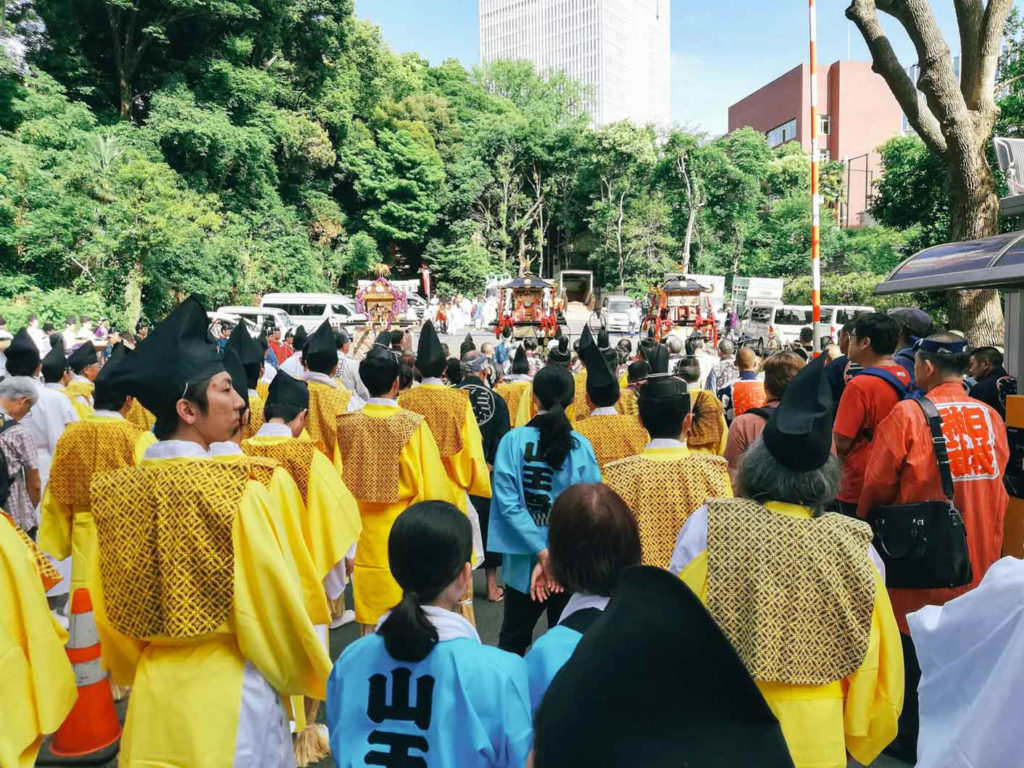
[991, 262]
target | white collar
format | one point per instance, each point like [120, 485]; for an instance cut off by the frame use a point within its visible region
[580, 601]
[226, 448]
[517, 377]
[107, 414]
[274, 430]
[665, 442]
[382, 401]
[176, 449]
[449, 625]
[605, 411]
[320, 378]
[437, 382]
[253, 393]
[53, 385]
[79, 377]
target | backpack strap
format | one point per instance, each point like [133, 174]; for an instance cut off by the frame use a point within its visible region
[905, 391]
[763, 411]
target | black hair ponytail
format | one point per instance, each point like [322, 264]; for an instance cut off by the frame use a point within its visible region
[555, 388]
[429, 545]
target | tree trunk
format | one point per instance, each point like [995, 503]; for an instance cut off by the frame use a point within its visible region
[618, 241]
[133, 295]
[125, 90]
[690, 222]
[978, 314]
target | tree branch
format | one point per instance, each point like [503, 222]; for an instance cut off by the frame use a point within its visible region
[970, 17]
[863, 13]
[988, 53]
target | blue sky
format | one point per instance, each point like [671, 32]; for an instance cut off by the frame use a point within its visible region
[721, 50]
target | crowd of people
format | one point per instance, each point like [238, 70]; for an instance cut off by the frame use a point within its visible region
[704, 529]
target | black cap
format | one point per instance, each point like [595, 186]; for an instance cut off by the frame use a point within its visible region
[662, 388]
[586, 340]
[658, 358]
[468, 345]
[382, 358]
[799, 432]
[23, 355]
[430, 357]
[83, 357]
[521, 363]
[106, 387]
[233, 365]
[173, 356]
[299, 339]
[288, 392]
[602, 339]
[602, 386]
[655, 683]
[55, 363]
[321, 351]
[645, 346]
[249, 352]
[560, 355]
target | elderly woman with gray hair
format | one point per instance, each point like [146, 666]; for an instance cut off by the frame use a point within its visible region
[800, 593]
[21, 488]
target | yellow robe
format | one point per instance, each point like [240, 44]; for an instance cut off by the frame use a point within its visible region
[187, 697]
[613, 437]
[512, 393]
[710, 432]
[527, 409]
[421, 476]
[82, 410]
[69, 530]
[255, 416]
[326, 404]
[663, 487]
[140, 417]
[38, 688]
[81, 391]
[858, 714]
[330, 519]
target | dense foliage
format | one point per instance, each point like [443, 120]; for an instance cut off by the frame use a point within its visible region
[153, 148]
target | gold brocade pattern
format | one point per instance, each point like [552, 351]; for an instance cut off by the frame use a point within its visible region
[85, 448]
[261, 469]
[794, 596]
[445, 412]
[370, 447]
[255, 417]
[663, 494]
[326, 404]
[49, 575]
[140, 417]
[579, 399]
[706, 429]
[512, 393]
[295, 455]
[628, 405]
[166, 553]
[614, 437]
[263, 390]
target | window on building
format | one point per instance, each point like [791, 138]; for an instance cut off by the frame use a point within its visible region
[824, 124]
[782, 133]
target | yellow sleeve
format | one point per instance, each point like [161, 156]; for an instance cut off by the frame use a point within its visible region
[874, 693]
[695, 576]
[337, 461]
[433, 479]
[54, 535]
[82, 409]
[524, 411]
[288, 516]
[468, 467]
[39, 685]
[332, 515]
[273, 629]
[720, 450]
[145, 440]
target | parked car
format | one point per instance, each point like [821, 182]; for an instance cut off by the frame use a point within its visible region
[833, 318]
[258, 317]
[757, 324]
[311, 309]
[621, 314]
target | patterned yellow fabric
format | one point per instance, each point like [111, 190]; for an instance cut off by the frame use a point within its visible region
[445, 412]
[369, 451]
[663, 494]
[794, 596]
[87, 447]
[579, 407]
[614, 437]
[296, 456]
[628, 405]
[82, 411]
[708, 426]
[80, 389]
[47, 573]
[166, 551]
[140, 417]
[326, 403]
[263, 390]
[511, 392]
[255, 417]
[261, 469]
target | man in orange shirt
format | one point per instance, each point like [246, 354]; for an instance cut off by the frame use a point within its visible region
[866, 401]
[902, 469]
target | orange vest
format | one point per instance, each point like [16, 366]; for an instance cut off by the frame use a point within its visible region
[747, 395]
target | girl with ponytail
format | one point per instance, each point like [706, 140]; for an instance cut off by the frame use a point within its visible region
[424, 676]
[532, 467]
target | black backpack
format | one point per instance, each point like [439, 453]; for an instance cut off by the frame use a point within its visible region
[6, 481]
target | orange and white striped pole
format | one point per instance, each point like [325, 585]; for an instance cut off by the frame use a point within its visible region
[815, 192]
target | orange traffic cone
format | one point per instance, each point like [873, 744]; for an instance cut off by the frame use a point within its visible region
[92, 725]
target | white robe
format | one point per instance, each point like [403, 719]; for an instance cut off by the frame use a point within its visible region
[971, 694]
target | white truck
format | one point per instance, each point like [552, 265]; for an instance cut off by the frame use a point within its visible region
[761, 291]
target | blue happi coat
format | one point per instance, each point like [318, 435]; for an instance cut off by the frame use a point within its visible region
[465, 705]
[523, 490]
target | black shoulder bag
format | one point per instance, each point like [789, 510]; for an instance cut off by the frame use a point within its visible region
[924, 544]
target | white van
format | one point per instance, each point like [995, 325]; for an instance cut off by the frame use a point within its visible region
[772, 326]
[311, 309]
[788, 321]
[833, 318]
[258, 317]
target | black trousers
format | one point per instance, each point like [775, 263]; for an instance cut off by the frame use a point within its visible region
[910, 721]
[521, 614]
[482, 506]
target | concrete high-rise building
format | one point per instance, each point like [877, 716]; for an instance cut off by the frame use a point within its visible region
[618, 49]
